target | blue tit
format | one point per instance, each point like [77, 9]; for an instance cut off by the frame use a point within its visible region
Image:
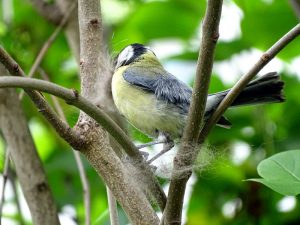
[157, 103]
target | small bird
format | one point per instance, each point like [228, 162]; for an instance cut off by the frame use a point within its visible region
[157, 103]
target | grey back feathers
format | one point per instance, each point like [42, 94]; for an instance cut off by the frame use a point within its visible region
[166, 87]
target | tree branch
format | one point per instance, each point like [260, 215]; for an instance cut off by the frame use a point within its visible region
[91, 49]
[62, 128]
[72, 97]
[241, 84]
[188, 151]
[95, 73]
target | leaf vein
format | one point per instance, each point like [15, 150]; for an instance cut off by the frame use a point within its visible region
[285, 169]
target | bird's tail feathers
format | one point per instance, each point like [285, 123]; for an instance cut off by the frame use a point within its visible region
[266, 89]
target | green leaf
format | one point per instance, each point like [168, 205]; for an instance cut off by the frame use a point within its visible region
[281, 172]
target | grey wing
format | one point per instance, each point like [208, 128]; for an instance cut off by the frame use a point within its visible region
[166, 87]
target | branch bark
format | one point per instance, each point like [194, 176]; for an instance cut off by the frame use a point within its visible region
[241, 84]
[95, 73]
[93, 66]
[23, 153]
[188, 151]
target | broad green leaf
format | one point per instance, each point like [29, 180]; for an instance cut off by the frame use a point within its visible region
[281, 172]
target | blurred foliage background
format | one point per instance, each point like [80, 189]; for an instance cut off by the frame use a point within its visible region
[217, 192]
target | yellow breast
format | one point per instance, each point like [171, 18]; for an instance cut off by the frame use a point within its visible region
[143, 110]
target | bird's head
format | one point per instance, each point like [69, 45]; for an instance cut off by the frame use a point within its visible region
[135, 53]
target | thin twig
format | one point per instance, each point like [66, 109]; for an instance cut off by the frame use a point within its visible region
[187, 152]
[48, 43]
[113, 208]
[241, 84]
[5, 177]
[82, 174]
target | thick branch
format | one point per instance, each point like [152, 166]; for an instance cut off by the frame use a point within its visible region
[241, 84]
[95, 73]
[117, 178]
[91, 36]
[182, 160]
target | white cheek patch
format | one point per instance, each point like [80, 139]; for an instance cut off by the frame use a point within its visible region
[125, 55]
